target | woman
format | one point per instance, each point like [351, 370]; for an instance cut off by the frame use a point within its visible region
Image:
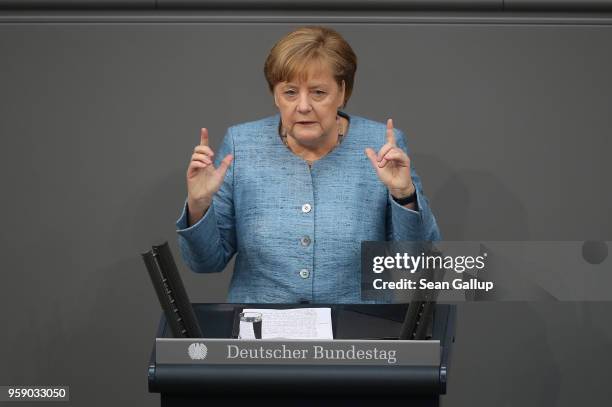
[295, 194]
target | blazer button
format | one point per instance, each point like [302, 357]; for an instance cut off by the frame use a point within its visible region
[304, 273]
[306, 208]
[305, 241]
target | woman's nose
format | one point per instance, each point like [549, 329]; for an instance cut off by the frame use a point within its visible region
[304, 105]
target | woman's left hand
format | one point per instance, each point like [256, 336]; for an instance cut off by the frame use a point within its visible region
[392, 166]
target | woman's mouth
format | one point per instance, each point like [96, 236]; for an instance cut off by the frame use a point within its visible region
[306, 123]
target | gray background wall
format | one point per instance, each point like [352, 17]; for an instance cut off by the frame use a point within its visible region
[509, 125]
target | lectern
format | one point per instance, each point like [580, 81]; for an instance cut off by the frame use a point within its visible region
[180, 371]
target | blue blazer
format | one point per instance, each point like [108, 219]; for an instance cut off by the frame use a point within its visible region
[296, 231]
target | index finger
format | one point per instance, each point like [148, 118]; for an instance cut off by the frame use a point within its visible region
[204, 137]
[390, 132]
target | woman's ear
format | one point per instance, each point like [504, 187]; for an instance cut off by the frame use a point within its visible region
[275, 97]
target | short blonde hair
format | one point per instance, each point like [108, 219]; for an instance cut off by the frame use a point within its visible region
[293, 54]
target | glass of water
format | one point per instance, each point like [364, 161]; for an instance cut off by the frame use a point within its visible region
[250, 322]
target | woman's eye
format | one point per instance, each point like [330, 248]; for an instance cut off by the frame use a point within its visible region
[290, 92]
[320, 92]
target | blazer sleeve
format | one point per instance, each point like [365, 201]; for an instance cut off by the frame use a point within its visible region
[208, 245]
[407, 224]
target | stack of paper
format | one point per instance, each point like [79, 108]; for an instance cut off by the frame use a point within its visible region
[297, 323]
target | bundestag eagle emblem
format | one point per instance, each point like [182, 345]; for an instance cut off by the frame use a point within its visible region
[197, 351]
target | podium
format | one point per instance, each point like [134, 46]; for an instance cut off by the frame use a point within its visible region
[419, 384]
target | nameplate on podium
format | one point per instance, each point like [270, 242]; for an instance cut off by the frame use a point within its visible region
[297, 352]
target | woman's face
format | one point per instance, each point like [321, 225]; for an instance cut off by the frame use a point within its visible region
[308, 108]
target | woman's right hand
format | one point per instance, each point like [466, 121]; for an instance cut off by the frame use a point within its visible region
[203, 179]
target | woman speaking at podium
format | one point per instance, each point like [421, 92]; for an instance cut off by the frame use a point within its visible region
[295, 194]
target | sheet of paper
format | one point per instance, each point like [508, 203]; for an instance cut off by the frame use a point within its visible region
[296, 323]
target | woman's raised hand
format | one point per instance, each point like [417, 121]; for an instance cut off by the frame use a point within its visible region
[392, 165]
[203, 179]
